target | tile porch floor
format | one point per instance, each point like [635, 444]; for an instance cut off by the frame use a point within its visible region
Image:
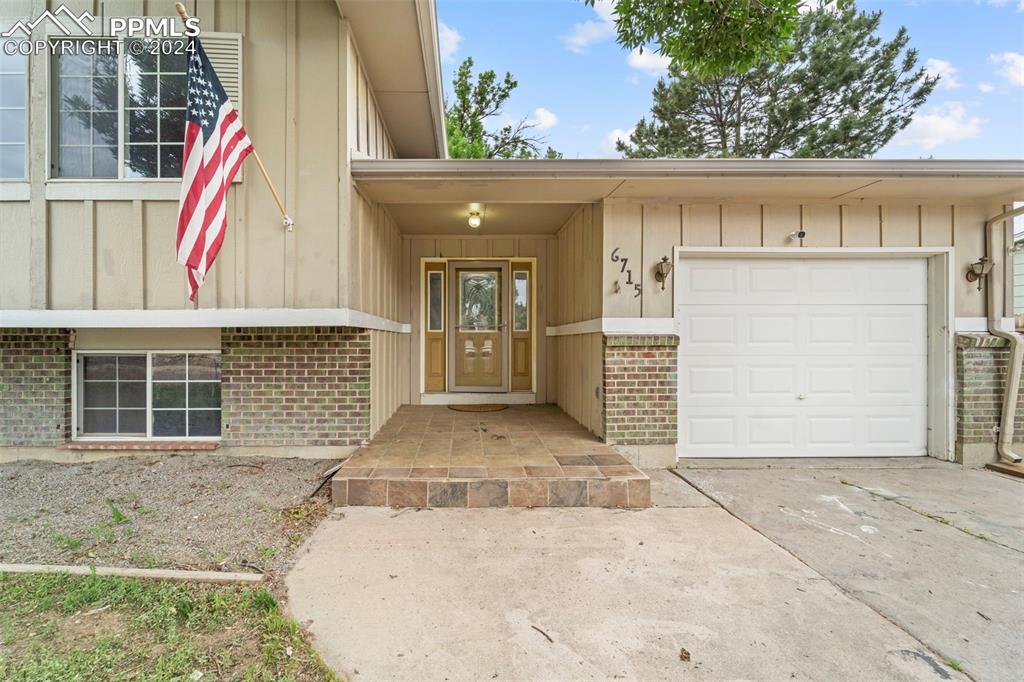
[523, 456]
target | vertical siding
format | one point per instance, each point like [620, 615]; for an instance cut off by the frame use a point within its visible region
[645, 229]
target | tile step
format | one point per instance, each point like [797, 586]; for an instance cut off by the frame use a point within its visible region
[472, 493]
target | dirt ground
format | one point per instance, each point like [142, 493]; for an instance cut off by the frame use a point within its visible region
[176, 511]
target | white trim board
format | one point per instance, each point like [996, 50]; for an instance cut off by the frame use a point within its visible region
[615, 325]
[203, 317]
[979, 325]
[476, 398]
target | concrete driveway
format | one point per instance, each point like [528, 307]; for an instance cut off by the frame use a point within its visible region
[684, 590]
[935, 548]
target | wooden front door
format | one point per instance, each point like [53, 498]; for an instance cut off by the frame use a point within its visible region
[478, 339]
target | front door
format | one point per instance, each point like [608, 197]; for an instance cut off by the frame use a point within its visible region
[478, 342]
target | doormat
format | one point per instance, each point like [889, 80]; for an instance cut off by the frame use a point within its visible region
[489, 407]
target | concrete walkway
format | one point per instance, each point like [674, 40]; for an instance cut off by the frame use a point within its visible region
[937, 549]
[683, 590]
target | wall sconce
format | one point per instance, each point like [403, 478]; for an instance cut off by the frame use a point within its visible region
[474, 219]
[662, 270]
[978, 269]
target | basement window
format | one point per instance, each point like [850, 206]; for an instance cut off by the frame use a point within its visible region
[169, 395]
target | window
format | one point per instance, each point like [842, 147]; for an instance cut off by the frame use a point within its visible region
[521, 301]
[154, 100]
[148, 395]
[435, 301]
[122, 116]
[13, 114]
[86, 111]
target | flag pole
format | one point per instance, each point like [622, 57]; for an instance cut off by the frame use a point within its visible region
[288, 222]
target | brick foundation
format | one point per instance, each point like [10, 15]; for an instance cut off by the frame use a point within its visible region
[35, 387]
[640, 406]
[981, 364]
[300, 386]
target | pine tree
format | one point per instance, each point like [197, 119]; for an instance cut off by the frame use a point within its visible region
[842, 92]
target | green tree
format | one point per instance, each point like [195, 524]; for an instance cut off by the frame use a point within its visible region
[709, 37]
[472, 104]
[842, 92]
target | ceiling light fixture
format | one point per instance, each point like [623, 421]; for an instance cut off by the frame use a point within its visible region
[474, 219]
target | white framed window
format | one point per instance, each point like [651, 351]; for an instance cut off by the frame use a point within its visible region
[13, 115]
[119, 114]
[160, 395]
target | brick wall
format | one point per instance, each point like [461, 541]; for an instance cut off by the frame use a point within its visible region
[295, 386]
[35, 387]
[640, 389]
[981, 363]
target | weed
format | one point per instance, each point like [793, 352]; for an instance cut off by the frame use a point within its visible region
[116, 514]
[955, 665]
[267, 553]
[66, 542]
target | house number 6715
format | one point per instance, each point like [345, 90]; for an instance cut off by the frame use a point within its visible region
[616, 258]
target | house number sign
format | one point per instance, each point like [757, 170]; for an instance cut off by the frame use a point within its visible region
[616, 258]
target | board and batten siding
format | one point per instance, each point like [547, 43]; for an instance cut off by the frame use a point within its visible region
[110, 244]
[580, 366]
[543, 249]
[648, 230]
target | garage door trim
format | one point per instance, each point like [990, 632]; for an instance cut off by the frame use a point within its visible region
[940, 319]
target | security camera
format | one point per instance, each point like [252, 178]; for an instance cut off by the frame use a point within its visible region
[798, 234]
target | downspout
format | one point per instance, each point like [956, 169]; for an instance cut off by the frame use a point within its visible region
[1004, 443]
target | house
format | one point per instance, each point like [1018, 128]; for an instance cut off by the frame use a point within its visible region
[673, 308]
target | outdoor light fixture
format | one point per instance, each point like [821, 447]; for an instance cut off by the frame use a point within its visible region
[661, 271]
[979, 269]
[474, 219]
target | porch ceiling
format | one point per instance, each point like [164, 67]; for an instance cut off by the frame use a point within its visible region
[498, 218]
[583, 181]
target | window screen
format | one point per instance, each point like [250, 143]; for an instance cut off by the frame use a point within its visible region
[113, 395]
[186, 395]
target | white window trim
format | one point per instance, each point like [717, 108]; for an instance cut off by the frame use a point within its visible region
[529, 301]
[76, 406]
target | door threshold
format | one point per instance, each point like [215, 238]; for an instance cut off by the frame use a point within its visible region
[477, 398]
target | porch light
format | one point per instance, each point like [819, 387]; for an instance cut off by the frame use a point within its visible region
[978, 269]
[474, 219]
[662, 270]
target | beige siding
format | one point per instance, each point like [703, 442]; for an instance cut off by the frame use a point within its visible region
[647, 229]
[541, 248]
[303, 86]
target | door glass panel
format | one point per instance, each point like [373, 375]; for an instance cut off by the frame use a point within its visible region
[521, 301]
[478, 301]
[435, 296]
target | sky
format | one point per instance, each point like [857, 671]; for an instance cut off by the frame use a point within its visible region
[583, 91]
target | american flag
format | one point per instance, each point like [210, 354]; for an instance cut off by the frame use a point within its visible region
[215, 146]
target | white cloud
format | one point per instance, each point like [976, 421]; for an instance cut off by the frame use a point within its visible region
[1011, 66]
[608, 145]
[987, 87]
[648, 61]
[543, 118]
[947, 122]
[945, 71]
[1020, 6]
[448, 41]
[587, 33]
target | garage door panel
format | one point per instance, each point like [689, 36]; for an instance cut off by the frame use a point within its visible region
[815, 357]
[827, 281]
[814, 432]
[797, 382]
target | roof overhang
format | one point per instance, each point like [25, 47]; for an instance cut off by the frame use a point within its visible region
[398, 43]
[704, 180]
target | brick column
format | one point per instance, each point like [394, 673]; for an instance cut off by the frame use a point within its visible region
[981, 364]
[35, 387]
[299, 386]
[640, 402]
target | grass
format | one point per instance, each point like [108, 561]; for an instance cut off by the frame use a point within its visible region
[103, 628]
[955, 665]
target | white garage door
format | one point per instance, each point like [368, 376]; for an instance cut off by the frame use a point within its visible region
[802, 357]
